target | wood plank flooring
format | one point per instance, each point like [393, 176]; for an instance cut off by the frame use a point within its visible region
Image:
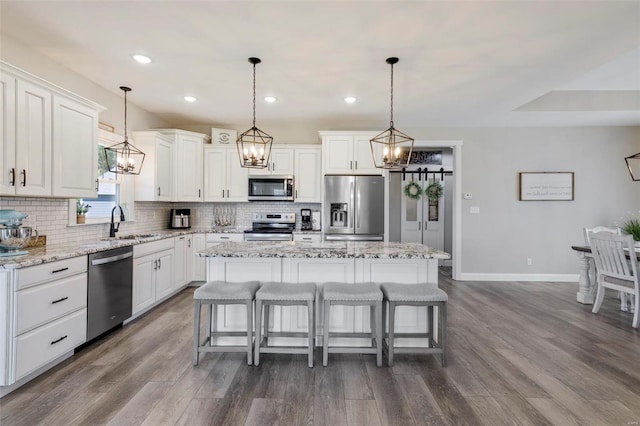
[519, 353]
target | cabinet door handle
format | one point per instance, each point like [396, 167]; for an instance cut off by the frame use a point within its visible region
[198, 193]
[23, 173]
[296, 193]
[159, 263]
[59, 340]
[227, 193]
[59, 300]
[158, 191]
[306, 239]
[12, 182]
[419, 225]
[59, 270]
[97, 185]
[273, 167]
[155, 265]
[224, 238]
[223, 193]
[189, 243]
[351, 165]
[356, 164]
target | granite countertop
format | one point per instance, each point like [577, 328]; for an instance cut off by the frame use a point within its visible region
[51, 253]
[325, 249]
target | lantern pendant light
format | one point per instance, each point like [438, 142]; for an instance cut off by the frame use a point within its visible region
[633, 164]
[391, 148]
[124, 158]
[254, 145]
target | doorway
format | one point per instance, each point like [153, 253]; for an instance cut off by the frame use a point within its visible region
[414, 216]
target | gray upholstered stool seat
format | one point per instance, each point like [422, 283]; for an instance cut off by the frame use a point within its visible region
[365, 294]
[428, 295]
[284, 294]
[216, 293]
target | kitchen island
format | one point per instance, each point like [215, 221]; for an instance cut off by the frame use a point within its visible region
[328, 261]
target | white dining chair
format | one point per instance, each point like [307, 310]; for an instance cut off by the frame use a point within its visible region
[614, 270]
[592, 271]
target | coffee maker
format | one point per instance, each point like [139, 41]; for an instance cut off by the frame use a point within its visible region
[180, 219]
[305, 220]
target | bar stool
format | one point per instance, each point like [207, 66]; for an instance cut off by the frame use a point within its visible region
[285, 294]
[365, 294]
[417, 295]
[216, 293]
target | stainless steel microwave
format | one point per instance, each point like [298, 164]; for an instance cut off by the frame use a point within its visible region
[270, 188]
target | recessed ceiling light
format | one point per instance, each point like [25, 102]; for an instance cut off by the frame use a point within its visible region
[190, 99]
[270, 99]
[141, 58]
[350, 99]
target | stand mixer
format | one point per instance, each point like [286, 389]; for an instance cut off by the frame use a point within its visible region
[14, 236]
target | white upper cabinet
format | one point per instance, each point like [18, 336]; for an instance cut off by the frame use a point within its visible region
[156, 179]
[49, 137]
[75, 136]
[188, 174]
[224, 179]
[348, 153]
[280, 163]
[308, 175]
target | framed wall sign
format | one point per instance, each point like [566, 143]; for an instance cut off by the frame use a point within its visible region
[545, 186]
[223, 136]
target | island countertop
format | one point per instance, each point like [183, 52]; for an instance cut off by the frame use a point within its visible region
[324, 249]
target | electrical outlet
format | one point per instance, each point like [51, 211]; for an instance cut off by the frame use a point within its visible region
[468, 196]
[529, 261]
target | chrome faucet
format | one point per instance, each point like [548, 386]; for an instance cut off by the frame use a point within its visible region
[114, 228]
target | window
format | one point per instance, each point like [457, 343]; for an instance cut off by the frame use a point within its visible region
[113, 189]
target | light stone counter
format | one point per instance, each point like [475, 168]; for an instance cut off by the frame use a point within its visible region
[325, 249]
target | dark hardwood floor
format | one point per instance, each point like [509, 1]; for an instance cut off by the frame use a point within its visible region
[519, 353]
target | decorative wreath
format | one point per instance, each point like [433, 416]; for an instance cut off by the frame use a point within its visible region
[434, 191]
[413, 190]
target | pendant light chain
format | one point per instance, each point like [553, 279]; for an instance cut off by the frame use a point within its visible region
[391, 96]
[254, 95]
[125, 115]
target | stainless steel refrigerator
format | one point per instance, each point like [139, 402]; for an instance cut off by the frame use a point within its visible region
[354, 208]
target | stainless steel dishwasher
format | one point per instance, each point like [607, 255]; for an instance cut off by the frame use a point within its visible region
[109, 290]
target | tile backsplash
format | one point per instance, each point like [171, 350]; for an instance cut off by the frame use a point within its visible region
[50, 217]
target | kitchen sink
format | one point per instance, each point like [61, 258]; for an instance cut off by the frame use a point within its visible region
[132, 237]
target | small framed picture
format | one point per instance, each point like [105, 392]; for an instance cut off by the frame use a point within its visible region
[223, 136]
[545, 186]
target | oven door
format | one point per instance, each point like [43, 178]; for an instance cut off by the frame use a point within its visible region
[270, 188]
[268, 236]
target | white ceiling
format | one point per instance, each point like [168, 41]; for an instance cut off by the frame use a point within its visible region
[476, 63]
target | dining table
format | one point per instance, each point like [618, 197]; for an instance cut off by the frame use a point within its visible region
[587, 280]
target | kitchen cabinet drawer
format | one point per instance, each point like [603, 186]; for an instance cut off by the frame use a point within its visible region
[46, 302]
[33, 275]
[310, 238]
[46, 343]
[224, 238]
[153, 247]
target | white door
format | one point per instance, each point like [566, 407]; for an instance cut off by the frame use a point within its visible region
[338, 154]
[8, 172]
[199, 267]
[411, 213]
[164, 171]
[33, 140]
[433, 218]
[308, 175]
[180, 248]
[363, 163]
[75, 161]
[237, 178]
[189, 168]
[164, 274]
[215, 174]
[143, 282]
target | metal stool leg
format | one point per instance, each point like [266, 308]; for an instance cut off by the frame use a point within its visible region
[196, 330]
[392, 327]
[258, 331]
[311, 331]
[325, 331]
[442, 308]
[249, 331]
[379, 337]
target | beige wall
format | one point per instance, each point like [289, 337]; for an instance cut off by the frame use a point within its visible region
[507, 231]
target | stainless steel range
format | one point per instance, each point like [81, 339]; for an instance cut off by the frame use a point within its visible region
[271, 227]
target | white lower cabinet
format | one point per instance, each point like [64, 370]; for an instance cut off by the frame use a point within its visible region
[183, 263]
[153, 274]
[43, 315]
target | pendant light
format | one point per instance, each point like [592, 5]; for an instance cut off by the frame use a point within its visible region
[124, 158]
[391, 148]
[254, 145]
[633, 164]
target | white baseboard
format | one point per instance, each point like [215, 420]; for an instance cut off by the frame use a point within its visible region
[470, 276]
